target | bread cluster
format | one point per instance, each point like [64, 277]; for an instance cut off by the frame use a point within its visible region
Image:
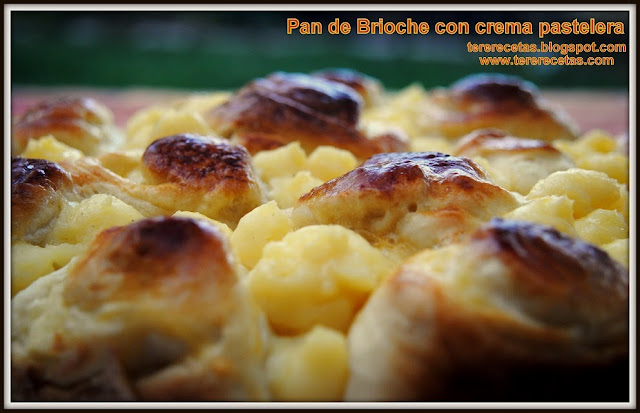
[316, 237]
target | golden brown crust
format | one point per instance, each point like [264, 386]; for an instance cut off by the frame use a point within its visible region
[37, 190]
[501, 93]
[569, 276]
[368, 87]
[516, 164]
[539, 307]
[30, 176]
[497, 101]
[375, 196]
[256, 142]
[183, 172]
[401, 174]
[524, 245]
[485, 142]
[203, 174]
[197, 162]
[154, 257]
[287, 107]
[82, 123]
[151, 311]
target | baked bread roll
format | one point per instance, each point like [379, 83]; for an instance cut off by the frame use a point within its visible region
[424, 198]
[497, 101]
[152, 311]
[182, 172]
[369, 88]
[203, 174]
[82, 123]
[283, 107]
[517, 311]
[38, 190]
[517, 163]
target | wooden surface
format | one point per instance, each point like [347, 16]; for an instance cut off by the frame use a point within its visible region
[608, 111]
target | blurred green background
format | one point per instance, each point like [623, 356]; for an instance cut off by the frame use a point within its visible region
[223, 50]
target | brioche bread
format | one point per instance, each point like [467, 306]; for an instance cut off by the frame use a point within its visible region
[320, 238]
